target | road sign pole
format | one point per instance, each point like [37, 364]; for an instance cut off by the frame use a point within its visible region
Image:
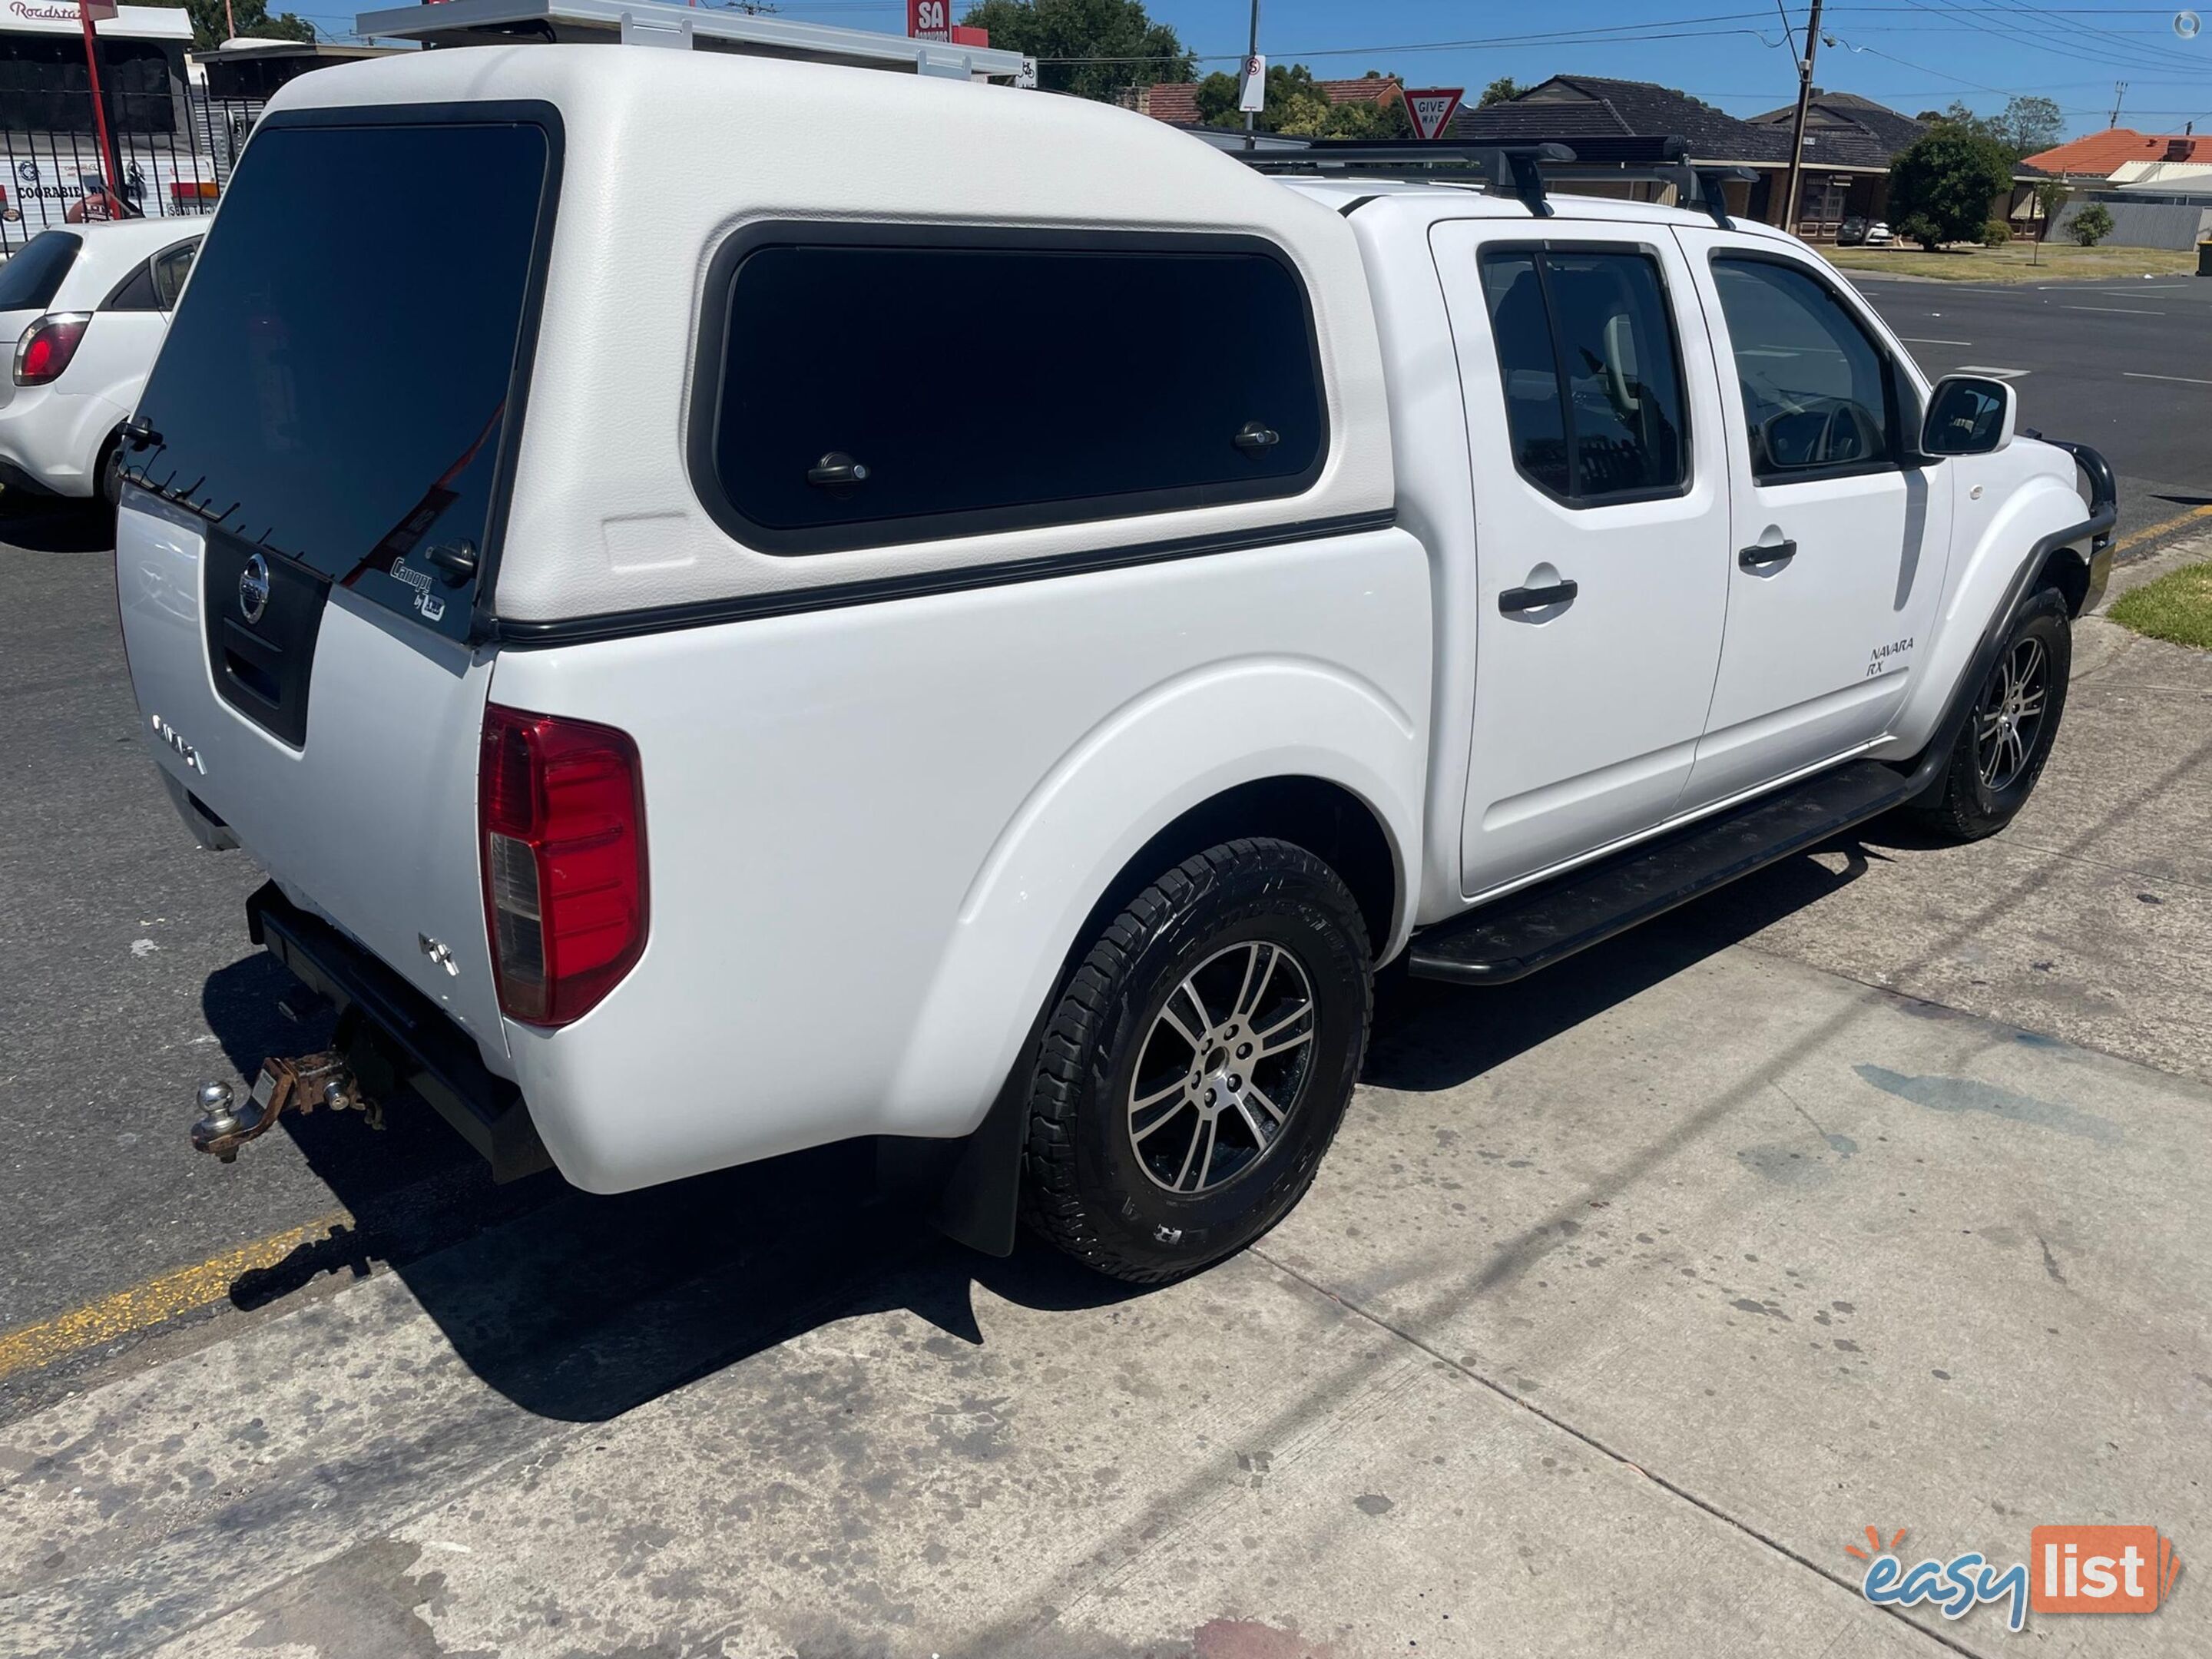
[113, 176]
[1252, 50]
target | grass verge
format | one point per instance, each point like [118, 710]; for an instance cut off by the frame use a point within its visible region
[2177, 607]
[2012, 262]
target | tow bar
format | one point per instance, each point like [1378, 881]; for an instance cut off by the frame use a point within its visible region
[300, 1085]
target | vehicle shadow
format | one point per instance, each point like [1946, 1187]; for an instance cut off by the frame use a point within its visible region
[1429, 1036]
[578, 1307]
[33, 524]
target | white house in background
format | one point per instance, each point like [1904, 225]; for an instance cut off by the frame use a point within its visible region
[49, 145]
[2172, 178]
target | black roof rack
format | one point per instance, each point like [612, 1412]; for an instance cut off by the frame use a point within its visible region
[1707, 193]
[1516, 170]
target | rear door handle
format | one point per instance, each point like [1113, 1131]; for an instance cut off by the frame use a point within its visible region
[1514, 600]
[1759, 556]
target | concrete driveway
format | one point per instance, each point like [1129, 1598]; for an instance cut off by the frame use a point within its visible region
[1628, 1298]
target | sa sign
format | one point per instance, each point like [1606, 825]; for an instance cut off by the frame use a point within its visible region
[1432, 108]
[928, 20]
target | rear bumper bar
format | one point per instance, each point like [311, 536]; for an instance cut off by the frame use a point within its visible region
[430, 1054]
[15, 476]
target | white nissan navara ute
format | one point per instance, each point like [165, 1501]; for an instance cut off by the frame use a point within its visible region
[989, 645]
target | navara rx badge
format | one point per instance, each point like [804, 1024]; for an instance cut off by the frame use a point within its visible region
[253, 589]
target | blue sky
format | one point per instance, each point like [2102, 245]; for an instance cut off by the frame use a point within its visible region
[1913, 54]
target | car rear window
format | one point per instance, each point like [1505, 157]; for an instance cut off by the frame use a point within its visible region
[340, 376]
[29, 281]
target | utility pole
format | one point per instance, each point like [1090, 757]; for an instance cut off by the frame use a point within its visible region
[2119, 94]
[1798, 127]
[1252, 50]
[113, 180]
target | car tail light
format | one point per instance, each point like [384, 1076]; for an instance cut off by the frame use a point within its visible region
[562, 804]
[47, 345]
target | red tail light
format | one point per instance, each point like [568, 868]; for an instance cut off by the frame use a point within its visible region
[47, 345]
[562, 804]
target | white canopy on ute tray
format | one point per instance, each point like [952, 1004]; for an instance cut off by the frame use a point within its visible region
[665, 155]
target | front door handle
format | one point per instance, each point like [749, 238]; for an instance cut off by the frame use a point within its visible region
[1514, 600]
[1759, 556]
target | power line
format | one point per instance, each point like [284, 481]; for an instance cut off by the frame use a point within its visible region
[1667, 31]
[2003, 26]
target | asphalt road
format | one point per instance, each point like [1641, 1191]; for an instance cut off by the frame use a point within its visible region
[129, 977]
[2123, 366]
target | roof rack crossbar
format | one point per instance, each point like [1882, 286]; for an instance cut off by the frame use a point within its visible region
[1524, 164]
[1509, 169]
[1518, 170]
[1706, 191]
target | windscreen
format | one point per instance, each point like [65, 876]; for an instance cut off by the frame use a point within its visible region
[31, 278]
[336, 382]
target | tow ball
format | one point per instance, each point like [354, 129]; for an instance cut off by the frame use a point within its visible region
[300, 1085]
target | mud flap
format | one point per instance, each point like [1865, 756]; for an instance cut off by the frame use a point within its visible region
[970, 1189]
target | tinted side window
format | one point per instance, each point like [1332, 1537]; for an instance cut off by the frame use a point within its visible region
[169, 270]
[1535, 411]
[1816, 389]
[1134, 377]
[135, 292]
[1593, 377]
[31, 278]
[154, 285]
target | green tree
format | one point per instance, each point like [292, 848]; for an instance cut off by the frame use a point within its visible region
[1960, 116]
[2091, 225]
[1919, 227]
[1503, 90]
[211, 21]
[2023, 127]
[2050, 196]
[1943, 182]
[1297, 107]
[2026, 125]
[1091, 48]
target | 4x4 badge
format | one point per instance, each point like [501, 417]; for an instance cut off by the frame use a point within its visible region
[253, 589]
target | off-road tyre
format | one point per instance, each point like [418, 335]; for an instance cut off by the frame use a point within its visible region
[1085, 1181]
[1991, 774]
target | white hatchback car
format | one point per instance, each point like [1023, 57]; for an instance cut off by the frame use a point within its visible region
[85, 310]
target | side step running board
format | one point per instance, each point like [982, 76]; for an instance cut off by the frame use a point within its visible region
[1544, 924]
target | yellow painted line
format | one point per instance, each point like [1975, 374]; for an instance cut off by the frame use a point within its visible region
[155, 1302]
[2150, 530]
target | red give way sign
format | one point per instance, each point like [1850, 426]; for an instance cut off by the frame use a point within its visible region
[1432, 108]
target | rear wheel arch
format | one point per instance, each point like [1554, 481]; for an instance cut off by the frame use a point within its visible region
[1326, 818]
[975, 1183]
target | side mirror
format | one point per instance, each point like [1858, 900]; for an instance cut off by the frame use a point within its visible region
[1969, 415]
